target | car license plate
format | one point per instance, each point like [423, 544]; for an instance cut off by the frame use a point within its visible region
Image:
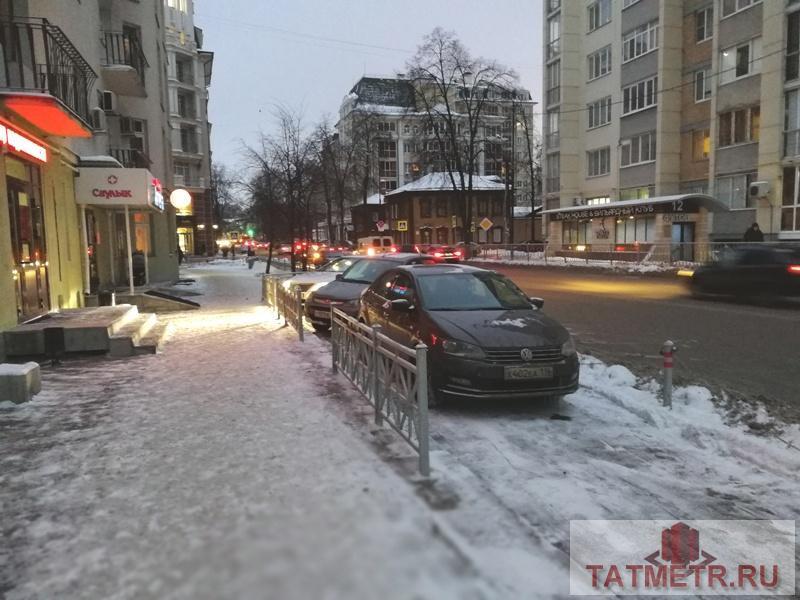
[529, 372]
[322, 314]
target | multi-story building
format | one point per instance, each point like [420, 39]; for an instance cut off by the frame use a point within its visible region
[400, 151]
[189, 75]
[87, 159]
[673, 109]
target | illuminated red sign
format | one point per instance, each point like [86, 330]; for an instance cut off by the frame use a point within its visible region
[21, 143]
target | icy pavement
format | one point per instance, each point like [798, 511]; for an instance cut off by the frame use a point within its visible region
[217, 469]
[233, 466]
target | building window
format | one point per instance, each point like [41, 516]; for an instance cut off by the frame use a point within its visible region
[189, 140]
[635, 230]
[640, 96]
[387, 168]
[575, 233]
[425, 208]
[598, 162]
[385, 126]
[640, 41]
[387, 149]
[734, 190]
[793, 46]
[552, 179]
[638, 193]
[553, 37]
[790, 209]
[599, 14]
[551, 130]
[702, 85]
[740, 61]
[627, 3]
[739, 126]
[553, 5]
[600, 63]
[441, 207]
[730, 7]
[704, 24]
[701, 144]
[638, 150]
[791, 124]
[598, 201]
[497, 235]
[554, 83]
[600, 112]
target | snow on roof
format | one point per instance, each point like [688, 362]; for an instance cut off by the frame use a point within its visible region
[435, 182]
[99, 159]
[375, 199]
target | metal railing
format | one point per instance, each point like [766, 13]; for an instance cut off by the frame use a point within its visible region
[124, 48]
[37, 56]
[286, 302]
[660, 253]
[393, 378]
[130, 158]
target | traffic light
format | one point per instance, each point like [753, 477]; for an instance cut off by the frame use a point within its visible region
[250, 232]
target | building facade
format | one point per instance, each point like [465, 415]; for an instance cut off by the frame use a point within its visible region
[399, 150]
[188, 77]
[647, 100]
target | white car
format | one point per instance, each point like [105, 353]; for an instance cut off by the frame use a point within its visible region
[311, 281]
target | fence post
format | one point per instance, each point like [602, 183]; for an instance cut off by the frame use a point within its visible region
[298, 304]
[334, 345]
[422, 409]
[667, 350]
[376, 380]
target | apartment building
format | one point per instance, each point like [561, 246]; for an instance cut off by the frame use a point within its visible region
[402, 151]
[189, 75]
[87, 157]
[670, 121]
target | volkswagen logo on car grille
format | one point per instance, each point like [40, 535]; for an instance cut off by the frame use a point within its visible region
[526, 354]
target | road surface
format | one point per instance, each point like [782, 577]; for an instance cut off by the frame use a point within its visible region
[747, 350]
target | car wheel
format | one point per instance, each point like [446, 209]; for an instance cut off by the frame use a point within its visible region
[320, 327]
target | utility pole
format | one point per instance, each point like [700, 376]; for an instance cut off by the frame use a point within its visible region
[508, 197]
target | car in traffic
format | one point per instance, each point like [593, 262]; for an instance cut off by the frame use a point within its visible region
[442, 253]
[748, 271]
[310, 281]
[375, 244]
[344, 292]
[486, 339]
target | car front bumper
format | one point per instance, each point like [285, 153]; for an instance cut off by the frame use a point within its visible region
[314, 309]
[462, 378]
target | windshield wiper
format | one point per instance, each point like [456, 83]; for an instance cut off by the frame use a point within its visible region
[355, 281]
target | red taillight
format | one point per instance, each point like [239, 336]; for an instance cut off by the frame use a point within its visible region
[793, 269]
[620, 248]
[393, 249]
[438, 254]
[458, 252]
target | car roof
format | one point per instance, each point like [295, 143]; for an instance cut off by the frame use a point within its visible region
[440, 269]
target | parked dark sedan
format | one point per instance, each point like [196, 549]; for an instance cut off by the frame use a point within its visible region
[486, 338]
[749, 271]
[344, 292]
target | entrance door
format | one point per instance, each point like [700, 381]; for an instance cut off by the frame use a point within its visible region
[28, 247]
[92, 239]
[683, 242]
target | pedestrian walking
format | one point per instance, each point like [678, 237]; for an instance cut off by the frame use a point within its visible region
[754, 234]
[181, 255]
[251, 256]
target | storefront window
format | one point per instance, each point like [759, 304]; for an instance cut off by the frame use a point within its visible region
[144, 238]
[790, 209]
[575, 233]
[636, 229]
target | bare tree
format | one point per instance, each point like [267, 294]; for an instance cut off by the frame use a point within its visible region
[339, 160]
[452, 91]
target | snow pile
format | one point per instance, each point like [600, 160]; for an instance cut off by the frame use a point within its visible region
[521, 257]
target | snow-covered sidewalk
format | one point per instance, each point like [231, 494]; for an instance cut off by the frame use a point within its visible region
[218, 469]
[537, 259]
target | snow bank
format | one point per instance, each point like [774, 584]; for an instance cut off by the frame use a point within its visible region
[505, 257]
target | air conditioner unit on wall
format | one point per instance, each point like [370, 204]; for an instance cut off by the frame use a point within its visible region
[98, 119]
[759, 189]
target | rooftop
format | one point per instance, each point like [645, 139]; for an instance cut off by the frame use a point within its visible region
[441, 181]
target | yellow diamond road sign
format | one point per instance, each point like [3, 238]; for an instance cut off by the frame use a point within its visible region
[486, 224]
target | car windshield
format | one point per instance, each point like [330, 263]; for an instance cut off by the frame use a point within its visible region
[367, 271]
[470, 291]
[339, 265]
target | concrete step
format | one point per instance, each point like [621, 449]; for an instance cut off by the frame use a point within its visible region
[155, 338]
[124, 341]
[129, 315]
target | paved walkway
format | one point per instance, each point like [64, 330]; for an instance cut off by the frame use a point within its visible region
[216, 469]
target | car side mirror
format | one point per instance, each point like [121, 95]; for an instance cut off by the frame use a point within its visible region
[339, 276]
[537, 302]
[402, 305]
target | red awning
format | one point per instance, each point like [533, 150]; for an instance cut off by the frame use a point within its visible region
[48, 114]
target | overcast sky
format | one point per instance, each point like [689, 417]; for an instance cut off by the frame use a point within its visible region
[307, 54]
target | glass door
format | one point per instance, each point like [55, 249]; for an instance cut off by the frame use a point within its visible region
[683, 242]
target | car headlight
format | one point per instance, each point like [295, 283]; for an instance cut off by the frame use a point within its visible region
[462, 349]
[316, 286]
[568, 348]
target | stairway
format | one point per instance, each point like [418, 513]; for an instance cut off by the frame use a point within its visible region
[118, 331]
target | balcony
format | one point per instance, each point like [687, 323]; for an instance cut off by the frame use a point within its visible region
[130, 158]
[189, 182]
[124, 63]
[44, 79]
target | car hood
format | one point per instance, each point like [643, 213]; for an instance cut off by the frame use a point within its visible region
[318, 277]
[341, 290]
[501, 328]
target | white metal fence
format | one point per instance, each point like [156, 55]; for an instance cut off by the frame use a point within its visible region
[287, 302]
[393, 378]
[661, 253]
